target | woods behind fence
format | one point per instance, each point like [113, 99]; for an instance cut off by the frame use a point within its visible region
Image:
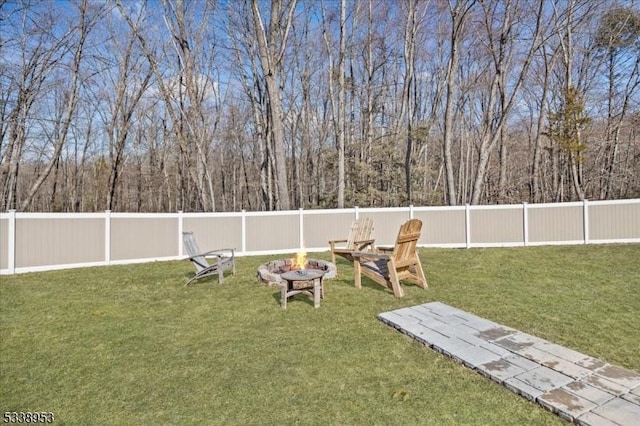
[209, 105]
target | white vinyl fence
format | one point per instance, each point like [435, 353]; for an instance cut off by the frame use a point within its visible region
[46, 241]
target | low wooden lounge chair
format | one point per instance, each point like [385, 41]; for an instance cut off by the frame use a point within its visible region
[391, 265]
[359, 239]
[225, 259]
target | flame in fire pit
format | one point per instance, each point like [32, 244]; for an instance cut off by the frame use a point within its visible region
[299, 261]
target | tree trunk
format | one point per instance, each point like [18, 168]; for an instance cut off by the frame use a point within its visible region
[270, 60]
[458, 20]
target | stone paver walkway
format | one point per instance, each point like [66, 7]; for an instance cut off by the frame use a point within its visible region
[575, 386]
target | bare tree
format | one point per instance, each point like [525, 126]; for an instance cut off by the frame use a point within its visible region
[459, 13]
[64, 121]
[207, 105]
[272, 44]
[501, 100]
[618, 38]
[127, 86]
[338, 107]
[25, 84]
[184, 96]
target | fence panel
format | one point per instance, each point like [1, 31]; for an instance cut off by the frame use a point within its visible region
[556, 223]
[59, 240]
[496, 225]
[322, 226]
[45, 241]
[386, 223]
[215, 231]
[613, 222]
[143, 237]
[442, 227]
[273, 232]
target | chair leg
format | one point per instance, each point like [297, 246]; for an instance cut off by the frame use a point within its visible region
[220, 272]
[421, 276]
[195, 277]
[395, 281]
[357, 274]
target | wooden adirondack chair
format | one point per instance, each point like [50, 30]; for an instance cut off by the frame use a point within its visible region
[389, 266]
[225, 259]
[359, 239]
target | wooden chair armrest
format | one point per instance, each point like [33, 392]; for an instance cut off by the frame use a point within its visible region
[217, 253]
[364, 243]
[337, 241]
[364, 255]
[385, 249]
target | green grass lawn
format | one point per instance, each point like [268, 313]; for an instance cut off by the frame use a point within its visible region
[132, 345]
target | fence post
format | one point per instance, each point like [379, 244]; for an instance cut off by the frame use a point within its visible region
[243, 230]
[356, 212]
[525, 223]
[180, 230]
[11, 242]
[467, 225]
[410, 211]
[585, 220]
[301, 228]
[107, 237]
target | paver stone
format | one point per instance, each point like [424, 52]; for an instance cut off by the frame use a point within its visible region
[620, 411]
[565, 404]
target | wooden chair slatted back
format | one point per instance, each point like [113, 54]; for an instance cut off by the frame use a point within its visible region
[360, 231]
[406, 243]
[193, 251]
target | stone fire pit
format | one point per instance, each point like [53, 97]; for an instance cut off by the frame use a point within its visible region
[269, 273]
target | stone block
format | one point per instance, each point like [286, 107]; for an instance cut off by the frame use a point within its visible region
[496, 333]
[466, 318]
[483, 344]
[503, 353]
[522, 389]
[516, 342]
[477, 356]
[438, 308]
[562, 352]
[398, 321]
[591, 419]
[605, 385]
[591, 363]
[568, 368]
[403, 312]
[522, 362]
[619, 411]
[544, 378]
[431, 338]
[632, 398]
[593, 394]
[627, 378]
[499, 370]
[564, 403]
[536, 355]
[464, 332]
[455, 348]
